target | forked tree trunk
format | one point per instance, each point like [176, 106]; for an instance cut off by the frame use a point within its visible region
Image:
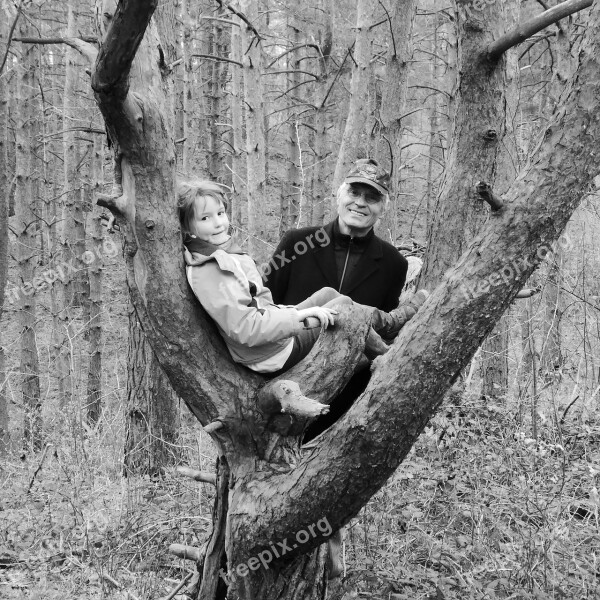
[278, 493]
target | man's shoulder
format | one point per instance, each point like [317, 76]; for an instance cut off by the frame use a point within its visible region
[302, 232]
[390, 252]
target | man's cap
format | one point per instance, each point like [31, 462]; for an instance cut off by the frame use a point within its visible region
[368, 171]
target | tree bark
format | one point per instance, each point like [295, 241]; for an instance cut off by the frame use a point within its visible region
[276, 490]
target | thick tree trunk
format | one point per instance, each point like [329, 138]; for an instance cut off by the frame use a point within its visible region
[279, 494]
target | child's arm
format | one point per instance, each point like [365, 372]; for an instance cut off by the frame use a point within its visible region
[228, 301]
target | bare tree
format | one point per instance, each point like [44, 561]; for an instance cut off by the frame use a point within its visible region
[271, 493]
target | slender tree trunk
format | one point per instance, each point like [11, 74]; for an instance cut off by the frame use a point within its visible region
[393, 106]
[320, 185]
[239, 210]
[292, 192]
[357, 111]
[27, 243]
[94, 379]
[4, 193]
[255, 128]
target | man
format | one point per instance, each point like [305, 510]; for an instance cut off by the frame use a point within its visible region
[344, 254]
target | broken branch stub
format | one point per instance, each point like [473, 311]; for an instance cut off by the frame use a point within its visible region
[284, 396]
[487, 195]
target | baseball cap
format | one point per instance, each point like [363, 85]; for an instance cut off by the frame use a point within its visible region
[369, 172]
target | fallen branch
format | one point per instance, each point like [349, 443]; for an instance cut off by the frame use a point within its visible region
[196, 475]
[187, 552]
[39, 468]
[173, 593]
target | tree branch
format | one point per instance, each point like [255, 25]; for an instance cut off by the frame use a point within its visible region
[111, 74]
[217, 58]
[525, 30]
[10, 33]
[242, 16]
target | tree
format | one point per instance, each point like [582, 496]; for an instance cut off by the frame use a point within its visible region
[274, 491]
[4, 187]
[27, 243]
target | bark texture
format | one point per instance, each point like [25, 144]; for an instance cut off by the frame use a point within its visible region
[276, 490]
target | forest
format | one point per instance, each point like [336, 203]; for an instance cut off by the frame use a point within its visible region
[138, 461]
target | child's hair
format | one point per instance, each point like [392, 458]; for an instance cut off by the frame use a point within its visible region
[187, 192]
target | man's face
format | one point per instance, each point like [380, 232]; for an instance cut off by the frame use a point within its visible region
[359, 207]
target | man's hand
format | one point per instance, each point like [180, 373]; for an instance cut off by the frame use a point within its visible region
[324, 316]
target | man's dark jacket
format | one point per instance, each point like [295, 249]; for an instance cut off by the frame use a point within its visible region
[304, 262]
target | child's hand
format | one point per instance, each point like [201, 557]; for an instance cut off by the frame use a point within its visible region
[325, 316]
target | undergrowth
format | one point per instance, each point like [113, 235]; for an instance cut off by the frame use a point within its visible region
[478, 510]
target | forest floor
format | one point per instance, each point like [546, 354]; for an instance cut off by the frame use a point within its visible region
[479, 509]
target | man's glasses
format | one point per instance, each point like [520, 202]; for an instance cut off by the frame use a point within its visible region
[371, 197]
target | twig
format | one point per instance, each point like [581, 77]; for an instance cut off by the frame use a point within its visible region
[218, 58]
[242, 16]
[182, 584]
[39, 467]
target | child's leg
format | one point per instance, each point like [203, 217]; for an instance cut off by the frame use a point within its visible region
[322, 298]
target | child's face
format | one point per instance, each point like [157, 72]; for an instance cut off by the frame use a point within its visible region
[210, 223]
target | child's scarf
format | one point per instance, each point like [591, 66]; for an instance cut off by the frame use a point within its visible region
[194, 244]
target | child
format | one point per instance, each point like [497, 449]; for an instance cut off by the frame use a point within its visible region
[263, 336]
